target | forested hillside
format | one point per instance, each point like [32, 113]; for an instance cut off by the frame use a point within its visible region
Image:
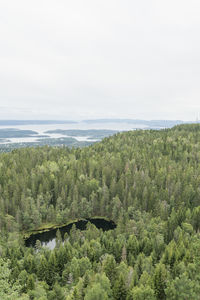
[146, 181]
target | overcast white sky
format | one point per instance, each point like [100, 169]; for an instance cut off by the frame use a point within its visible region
[78, 59]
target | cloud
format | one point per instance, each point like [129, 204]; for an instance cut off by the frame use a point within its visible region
[78, 58]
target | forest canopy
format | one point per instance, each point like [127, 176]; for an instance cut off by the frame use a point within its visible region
[146, 181]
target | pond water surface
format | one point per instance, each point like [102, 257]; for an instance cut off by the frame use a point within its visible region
[48, 238]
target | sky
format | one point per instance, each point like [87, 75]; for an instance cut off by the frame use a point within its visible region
[91, 59]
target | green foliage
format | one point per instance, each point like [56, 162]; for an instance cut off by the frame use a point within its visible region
[160, 281]
[147, 181]
[8, 291]
[96, 292]
[119, 289]
[142, 293]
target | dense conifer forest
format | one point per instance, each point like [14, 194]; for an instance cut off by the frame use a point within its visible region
[146, 181]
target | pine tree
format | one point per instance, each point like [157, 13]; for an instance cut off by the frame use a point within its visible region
[160, 281]
[119, 289]
[30, 282]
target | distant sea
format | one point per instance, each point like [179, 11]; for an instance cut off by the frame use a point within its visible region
[40, 127]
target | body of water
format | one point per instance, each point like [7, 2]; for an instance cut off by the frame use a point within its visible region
[41, 130]
[48, 238]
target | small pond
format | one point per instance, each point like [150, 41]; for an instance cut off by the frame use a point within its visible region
[48, 238]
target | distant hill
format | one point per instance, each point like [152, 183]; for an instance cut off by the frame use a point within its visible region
[149, 123]
[33, 122]
[158, 123]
